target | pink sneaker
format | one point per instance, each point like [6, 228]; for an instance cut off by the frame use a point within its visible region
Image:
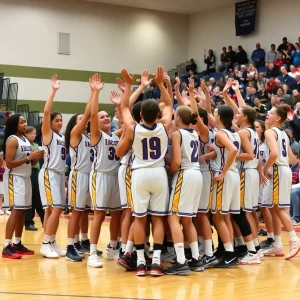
[274, 251]
[294, 249]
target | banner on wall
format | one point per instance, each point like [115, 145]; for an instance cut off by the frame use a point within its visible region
[245, 17]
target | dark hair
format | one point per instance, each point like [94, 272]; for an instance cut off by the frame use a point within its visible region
[203, 114]
[282, 111]
[70, 126]
[38, 137]
[240, 47]
[150, 110]
[186, 115]
[30, 129]
[263, 126]
[285, 38]
[11, 128]
[226, 116]
[54, 114]
[224, 48]
[273, 45]
[250, 113]
[8, 113]
[136, 112]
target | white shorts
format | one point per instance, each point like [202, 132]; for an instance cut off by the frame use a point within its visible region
[226, 195]
[52, 188]
[186, 193]
[124, 177]
[278, 189]
[17, 192]
[207, 192]
[249, 189]
[150, 192]
[261, 193]
[104, 190]
[1, 188]
[78, 190]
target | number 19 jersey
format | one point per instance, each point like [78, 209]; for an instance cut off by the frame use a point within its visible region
[149, 146]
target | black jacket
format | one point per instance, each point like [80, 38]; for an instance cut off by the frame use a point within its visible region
[242, 57]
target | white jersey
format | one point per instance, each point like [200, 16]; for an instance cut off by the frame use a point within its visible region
[263, 153]
[189, 149]
[254, 141]
[207, 165]
[170, 147]
[81, 156]
[24, 149]
[104, 154]
[283, 144]
[149, 146]
[55, 154]
[222, 152]
[128, 158]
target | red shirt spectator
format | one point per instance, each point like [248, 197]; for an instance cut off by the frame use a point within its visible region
[279, 61]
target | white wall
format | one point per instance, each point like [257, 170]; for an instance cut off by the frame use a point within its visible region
[216, 28]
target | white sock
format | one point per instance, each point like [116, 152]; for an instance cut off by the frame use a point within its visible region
[256, 242]
[123, 247]
[129, 247]
[277, 239]
[195, 250]
[113, 244]
[250, 246]
[84, 236]
[52, 238]
[156, 257]
[93, 248]
[7, 242]
[17, 240]
[46, 239]
[76, 238]
[70, 241]
[208, 248]
[141, 257]
[292, 234]
[179, 249]
[240, 241]
[270, 235]
[228, 247]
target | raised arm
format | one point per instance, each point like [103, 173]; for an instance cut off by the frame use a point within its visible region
[46, 127]
[117, 100]
[177, 92]
[236, 88]
[227, 99]
[167, 81]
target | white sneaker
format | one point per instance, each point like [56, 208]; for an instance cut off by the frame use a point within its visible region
[168, 256]
[294, 249]
[274, 251]
[112, 253]
[1, 212]
[260, 253]
[94, 261]
[250, 259]
[7, 212]
[48, 251]
[59, 252]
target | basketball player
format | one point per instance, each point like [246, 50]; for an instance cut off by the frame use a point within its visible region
[278, 189]
[149, 178]
[52, 175]
[19, 158]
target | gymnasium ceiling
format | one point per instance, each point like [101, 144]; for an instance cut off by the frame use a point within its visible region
[175, 6]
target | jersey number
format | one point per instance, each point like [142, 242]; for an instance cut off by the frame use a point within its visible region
[284, 151]
[151, 148]
[112, 154]
[63, 153]
[256, 149]
[92, 155]
[195, 152]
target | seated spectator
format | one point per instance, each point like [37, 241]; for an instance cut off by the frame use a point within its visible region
[224, 60]
[153, 92]
[236, 74]
[249, 98]
[241, 56]
[231, 58]
[271, 55]
[293, 71]
[294, 124]
[295, 193]
[260, 109]
[295, 97]
[221, 83]
[296, 55]
[275, 100]
[285, 78]
[258, 56]
[297, 110]
[272, 71]
[243, 75]
[280, 61]
[262, 94]
[283, 46]
[260, 80]
[288, 54]
[252, 72]
[297, 78]
[295, 146]
[191, 66]
[281, 94]
[210, 61]
[218, 95]
[193, 75]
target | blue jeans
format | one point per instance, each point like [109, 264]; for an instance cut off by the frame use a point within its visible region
[295, 203]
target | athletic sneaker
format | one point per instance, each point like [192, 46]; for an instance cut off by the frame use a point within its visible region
[178, 269]
[230, 259]
[127, 262]
[94, 261]
[85, 246]
[260, 253]
[274, 251]
[209, 261]
[250, 259]
[296, 221]
[148, 261]
[9, 252]
[79, 250]
[72, 254]
[195, 265]
[19, 248]
[241, 251]
[219, 253]
[157, 270]
[140, 270]
[60, 252]
[48, 251]
[111, 252]
[266, 244]
[168, 255]
[262, 232]
[294, 249]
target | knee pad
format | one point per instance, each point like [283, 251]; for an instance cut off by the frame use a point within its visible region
[242, 223]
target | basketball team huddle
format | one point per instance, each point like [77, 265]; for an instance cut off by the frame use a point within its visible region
[172, 174]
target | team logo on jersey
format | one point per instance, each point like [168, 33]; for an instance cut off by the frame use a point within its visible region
[26, 148]
[111, 143]
[60, 143]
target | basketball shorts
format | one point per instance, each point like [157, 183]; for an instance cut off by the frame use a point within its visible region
[207, 192]
[104, 191]
[17, 192]
[260, 195]
[186, 193]
[78, 190]
[52, 188]
[226, 194]
[249, 191]
[278, 189]
[150, 193]
[124, 177]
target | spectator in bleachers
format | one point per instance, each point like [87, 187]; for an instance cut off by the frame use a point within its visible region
[295, 193]
[294, 124]
[153, 92]
[288, 54]
[293, 71]
[272, 71]
[241, 56]
[191, 66]
[295, 97]
[115, 121]
[231, 57]
[282, 94]
[193, 75]
[221, 83]
[295, 146]
[224, 60]
[260, 109]
[285, 78]
[296, 55]
[283, 46]
[258, 56]
[262, 94]
[280, 61]
[243, 76]
[297, 78]
[8, 114]
[272, 54]
[210, 61]
[297, 110]
[252, 72]
[260, 80]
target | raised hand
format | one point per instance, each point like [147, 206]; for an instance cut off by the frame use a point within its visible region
[203, 86]
[228, 85]
[177, 84]
[97, 82]
[159, 76]
[191, 85]
[235, 85]
[129, 79]
[91, 83]
[290, 116]
[166, 77]
[145, 81]
[55, 83]
[115, 98]
[121, 84]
